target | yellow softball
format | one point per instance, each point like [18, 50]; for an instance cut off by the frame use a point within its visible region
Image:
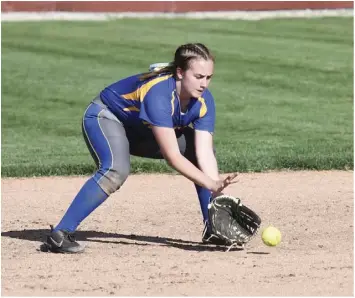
[271, 236]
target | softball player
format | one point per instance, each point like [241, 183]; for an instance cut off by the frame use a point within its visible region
[167, 113]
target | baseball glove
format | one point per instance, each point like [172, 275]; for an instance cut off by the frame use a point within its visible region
[231, 221]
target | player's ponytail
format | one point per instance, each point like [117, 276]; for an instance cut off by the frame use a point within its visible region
[184, 54]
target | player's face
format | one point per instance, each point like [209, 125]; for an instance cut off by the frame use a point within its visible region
[197, 77]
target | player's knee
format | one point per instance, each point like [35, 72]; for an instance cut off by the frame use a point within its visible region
[113, 179]
[118, 177]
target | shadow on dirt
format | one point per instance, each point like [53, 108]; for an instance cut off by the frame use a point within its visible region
[91, 236]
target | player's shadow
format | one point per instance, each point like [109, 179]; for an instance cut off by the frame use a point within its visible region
[39, 235]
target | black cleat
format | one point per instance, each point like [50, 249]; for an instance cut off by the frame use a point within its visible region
[207, 238]
[63, 242]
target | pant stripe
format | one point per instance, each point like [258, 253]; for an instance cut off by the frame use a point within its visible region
[108, 143]
[87, 137]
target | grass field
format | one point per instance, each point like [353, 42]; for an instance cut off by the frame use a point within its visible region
[283, 89]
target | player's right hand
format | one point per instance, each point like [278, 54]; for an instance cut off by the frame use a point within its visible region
[221, 184]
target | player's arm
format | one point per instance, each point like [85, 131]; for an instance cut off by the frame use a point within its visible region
[204, 128]
[156, 110]
[166, 139]
[205, 155]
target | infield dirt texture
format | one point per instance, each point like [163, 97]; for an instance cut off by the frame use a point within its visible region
[145, 239]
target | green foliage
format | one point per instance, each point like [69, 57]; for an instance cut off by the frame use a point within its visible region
[283, 89]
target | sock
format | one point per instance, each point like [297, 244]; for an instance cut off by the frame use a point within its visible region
[204, 196]
[86, 201]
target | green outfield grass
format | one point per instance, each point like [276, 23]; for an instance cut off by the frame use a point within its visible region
[283, 89]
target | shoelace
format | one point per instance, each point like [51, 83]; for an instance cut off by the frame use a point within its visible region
[234, 244]
[71, 237]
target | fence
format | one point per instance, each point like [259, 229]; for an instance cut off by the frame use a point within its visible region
[167, 6]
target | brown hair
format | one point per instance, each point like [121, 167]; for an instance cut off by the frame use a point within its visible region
[183, 55]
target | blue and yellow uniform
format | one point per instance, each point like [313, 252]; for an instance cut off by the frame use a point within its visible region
[117, 124]
[139, 103]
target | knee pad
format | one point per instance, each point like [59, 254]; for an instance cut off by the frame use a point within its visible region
[112, 179]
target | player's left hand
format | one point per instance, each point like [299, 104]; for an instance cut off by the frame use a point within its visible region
[231, 221]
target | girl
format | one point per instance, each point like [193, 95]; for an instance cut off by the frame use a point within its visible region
[166, 113]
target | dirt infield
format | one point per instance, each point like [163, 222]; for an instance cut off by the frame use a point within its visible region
[145, 239]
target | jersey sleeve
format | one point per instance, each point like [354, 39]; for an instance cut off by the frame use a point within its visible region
[156, 107]
[207, 113]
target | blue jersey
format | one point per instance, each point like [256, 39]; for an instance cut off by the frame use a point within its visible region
[142, 104]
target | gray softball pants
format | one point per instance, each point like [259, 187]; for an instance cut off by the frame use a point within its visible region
[111, 144]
